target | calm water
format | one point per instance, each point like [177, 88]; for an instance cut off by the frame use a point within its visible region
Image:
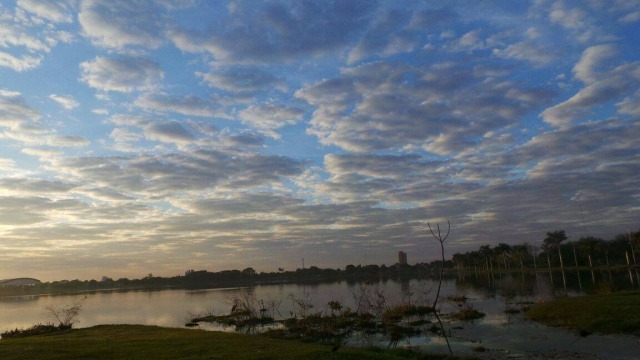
[504, 336]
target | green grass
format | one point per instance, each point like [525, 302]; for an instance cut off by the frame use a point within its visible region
[150, 342]
[602, 313]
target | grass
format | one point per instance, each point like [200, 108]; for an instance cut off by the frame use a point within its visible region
[150, 342]
[467, 313]
[602, 313]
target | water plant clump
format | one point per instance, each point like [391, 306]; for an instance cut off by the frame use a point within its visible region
[373, 316]
[241, 319]
[467, 313]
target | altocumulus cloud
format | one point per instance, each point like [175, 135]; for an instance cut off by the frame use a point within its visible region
[141, 136]
[123, 74]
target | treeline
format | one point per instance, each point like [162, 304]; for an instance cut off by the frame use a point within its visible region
[556, 250]
[232, 278]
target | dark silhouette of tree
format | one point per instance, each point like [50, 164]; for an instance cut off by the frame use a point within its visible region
[248, 272]
[441, 240]
[553, 239]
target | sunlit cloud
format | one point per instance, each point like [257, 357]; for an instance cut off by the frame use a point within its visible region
[66, 101]
[158, 136]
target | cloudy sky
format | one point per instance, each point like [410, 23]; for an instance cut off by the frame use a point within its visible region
[142, 136]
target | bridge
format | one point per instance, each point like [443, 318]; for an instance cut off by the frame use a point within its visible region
[19, 282]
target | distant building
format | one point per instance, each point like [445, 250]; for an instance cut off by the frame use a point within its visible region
[402, 258]
[19, 282]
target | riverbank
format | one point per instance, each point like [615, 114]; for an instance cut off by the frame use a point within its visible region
[612, 313]
[151, 342]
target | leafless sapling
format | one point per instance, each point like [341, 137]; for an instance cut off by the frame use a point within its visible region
[441, 240]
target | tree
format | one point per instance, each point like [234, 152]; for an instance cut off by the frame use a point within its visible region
[441, 240]
[554, 238]
[66, 316]
[248, 272]
[485, 250]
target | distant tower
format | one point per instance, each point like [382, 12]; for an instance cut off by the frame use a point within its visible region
[402, 258]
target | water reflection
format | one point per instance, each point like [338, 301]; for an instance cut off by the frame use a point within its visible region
[546, 284]
[502, 332]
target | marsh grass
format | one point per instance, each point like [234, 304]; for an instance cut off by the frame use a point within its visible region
[601, 313]
[467, 313]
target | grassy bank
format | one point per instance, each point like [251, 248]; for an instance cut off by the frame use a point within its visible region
[602, 313]
[150, 342]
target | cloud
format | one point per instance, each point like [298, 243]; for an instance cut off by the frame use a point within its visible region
[267, 118]
[66, 101]
[29, 30]
[470, 41]
[385, 38]
[117, 24]
[13, 35]
[164, 174]
[26, 62]
[570, 18]
[242, 79]
[100, 111]
[407, 180]
[56, 11]
[615, 84]
[592, 57]
[17, 210]
[30, 135]
[187, 105]
[168, 131]
[630, 105]
[376, 166]
[630, 17]
[66, 141]
[44, 153]
[243, 205]
[106, 194]
[123, 74]
[527, 51]
[276, 31]
[22, 186]
[7, 164]
[243, 140]
[385, 106]
[14, 111]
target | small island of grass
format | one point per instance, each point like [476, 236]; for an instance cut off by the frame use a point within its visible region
[612, 313]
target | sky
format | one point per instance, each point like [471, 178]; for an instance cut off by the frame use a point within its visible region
[159, 136]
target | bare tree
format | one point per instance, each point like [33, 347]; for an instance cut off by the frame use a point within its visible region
[435, 302]
[66, 316]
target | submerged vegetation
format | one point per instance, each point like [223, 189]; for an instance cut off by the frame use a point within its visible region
[373, 319]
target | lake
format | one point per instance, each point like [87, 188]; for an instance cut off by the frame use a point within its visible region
[502, 335]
